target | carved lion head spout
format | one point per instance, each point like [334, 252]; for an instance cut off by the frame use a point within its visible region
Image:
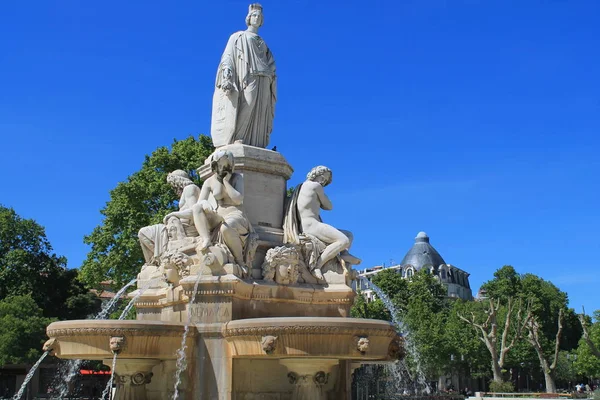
[117, 344]
[51, 346]
[396, 349]
[362, 343]
[269, 343]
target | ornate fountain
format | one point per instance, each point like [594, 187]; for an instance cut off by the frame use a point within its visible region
[245, 293]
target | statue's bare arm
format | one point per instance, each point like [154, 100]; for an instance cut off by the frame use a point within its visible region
[205, 191]
[235, 191]
[189, 197]
[178, 214]
[323, 199]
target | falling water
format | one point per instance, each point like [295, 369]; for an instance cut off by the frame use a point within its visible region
[107, 308]
[108, 388]
[140, 292]
[69, 370]
[30, 375]
[181, 361]
[400, 369]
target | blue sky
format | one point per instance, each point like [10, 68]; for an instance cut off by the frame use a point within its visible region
[475, 121]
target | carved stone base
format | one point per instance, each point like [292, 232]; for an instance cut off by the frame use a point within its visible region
[131, 377]
[309, 377]
[226, 298]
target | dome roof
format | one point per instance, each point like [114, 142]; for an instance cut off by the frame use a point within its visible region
[422, 253]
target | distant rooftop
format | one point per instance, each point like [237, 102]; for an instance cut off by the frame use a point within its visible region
[422, 254]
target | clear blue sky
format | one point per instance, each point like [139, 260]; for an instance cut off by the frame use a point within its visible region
[475, 121]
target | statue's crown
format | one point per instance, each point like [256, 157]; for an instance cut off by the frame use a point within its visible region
[254, 7]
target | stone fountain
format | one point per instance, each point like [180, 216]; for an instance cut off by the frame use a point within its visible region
[245, 293]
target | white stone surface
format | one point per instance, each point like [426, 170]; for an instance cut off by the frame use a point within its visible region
[304, 217]
[246, 88]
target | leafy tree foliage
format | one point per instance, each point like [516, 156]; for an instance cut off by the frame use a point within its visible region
[588, 362]
[460, 337]
[29, 267]
[141, 200]
[425, 314]
[370, 310]
[439, 332]
[422, 308]
[22, 329]
[551, 326]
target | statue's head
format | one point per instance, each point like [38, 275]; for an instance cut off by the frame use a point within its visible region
[282, 264]
[222, 163]
[320, 174]
[255, 16]
[178, 180]
[269, 343]
[117, 344]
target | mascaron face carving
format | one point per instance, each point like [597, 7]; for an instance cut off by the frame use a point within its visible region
[396, 348]
[51, 345]
[269, 343]
[362, 343]
[117, 344]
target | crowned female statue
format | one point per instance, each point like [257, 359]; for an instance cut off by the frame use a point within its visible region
[245, 92]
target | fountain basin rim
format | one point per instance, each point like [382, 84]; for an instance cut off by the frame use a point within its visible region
[308, 325]
[85, 327]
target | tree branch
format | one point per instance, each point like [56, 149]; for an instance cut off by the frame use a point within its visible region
[557, 344]
[586, 335]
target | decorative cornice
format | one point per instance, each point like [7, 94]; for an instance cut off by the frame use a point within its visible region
[308, 330]
[128, 332]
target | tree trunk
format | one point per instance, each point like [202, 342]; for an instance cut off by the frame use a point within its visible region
[550, 385]
[497, 372]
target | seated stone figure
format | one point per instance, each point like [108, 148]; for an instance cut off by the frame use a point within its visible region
[303, 224]
[217, 215]
[154, 239]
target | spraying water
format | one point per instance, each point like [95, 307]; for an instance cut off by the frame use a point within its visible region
[107, 389]
[399, 369]
[181, 359]
[108, 307]
[30, 375]
[69, 370]
[140, 292]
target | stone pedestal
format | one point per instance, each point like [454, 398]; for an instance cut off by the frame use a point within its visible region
[265, 175]
[227, 298]
[213, 372]
[131, 377]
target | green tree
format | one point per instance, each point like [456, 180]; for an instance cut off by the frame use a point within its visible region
[141, 200]
[425, 314]
[499, 327]
[591, 335]
[506, 284]
[22, 329]
[470, 347]
[370, 310]
[28, 266]
[550, 326]
[422, 308]
[588, 356]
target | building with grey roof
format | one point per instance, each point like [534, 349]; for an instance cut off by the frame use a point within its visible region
[423, 255]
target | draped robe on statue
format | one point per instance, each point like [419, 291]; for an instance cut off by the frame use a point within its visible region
[246, 112]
